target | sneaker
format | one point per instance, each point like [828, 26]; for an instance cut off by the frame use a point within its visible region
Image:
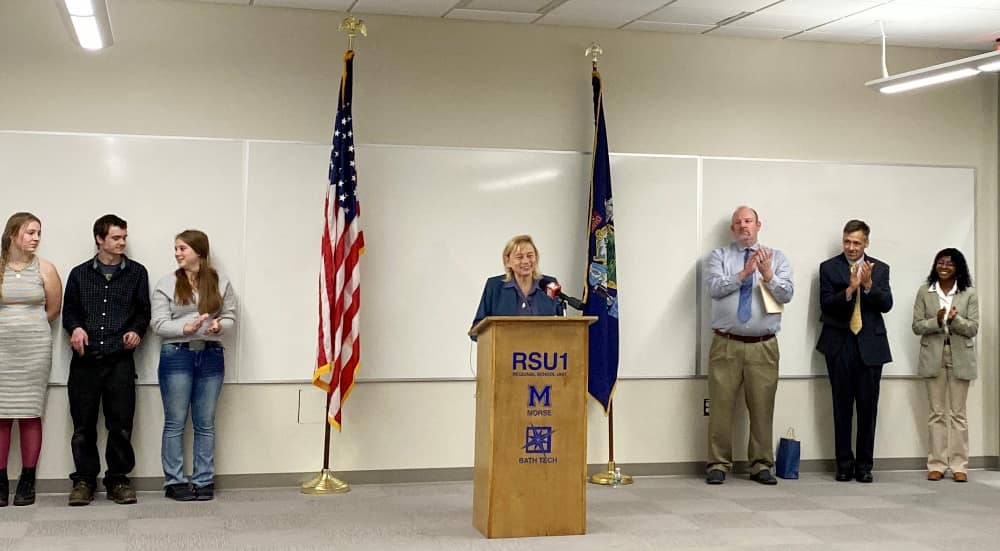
[82, 494]
[764, 476]
[122, 493]
[180, 492]
[715, 476]
[205, 493]
[25, 493]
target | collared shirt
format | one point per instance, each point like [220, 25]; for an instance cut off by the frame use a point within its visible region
[722, 268]
[107, 308]
[857, 263]
[944, 299]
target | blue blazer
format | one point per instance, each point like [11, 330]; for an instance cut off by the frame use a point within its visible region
[873, 343]
[501, 300]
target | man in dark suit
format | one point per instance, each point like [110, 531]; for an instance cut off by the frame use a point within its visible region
[854, 293]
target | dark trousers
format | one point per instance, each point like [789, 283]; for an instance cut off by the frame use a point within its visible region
[92, 381]
[853, 384]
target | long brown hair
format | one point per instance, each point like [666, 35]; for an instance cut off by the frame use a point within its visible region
[10, 231]
[206, 278]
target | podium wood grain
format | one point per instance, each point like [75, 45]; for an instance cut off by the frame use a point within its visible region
[524, 488]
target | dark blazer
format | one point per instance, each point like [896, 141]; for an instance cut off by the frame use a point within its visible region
[873, 343]
[501, 300]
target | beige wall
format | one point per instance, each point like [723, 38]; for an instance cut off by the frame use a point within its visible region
[225, 71]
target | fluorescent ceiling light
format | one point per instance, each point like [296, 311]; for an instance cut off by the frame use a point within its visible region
[87, 33]
[80, 8]
[88, 22]
[936, 74]
[928, 81]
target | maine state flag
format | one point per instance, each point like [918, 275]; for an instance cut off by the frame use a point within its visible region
[601, 291]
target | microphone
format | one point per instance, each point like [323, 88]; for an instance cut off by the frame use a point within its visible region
[554, 291]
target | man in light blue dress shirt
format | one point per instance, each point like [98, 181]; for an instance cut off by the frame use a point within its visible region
[744, 350]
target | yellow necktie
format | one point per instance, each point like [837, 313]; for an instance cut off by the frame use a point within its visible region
[856, 316]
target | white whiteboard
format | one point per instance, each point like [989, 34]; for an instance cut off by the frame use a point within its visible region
[435, 220]
[159, 186]
[803, 207]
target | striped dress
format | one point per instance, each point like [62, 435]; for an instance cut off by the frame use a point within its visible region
[25, 344]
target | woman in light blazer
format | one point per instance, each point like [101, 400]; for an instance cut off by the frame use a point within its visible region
[946, 316]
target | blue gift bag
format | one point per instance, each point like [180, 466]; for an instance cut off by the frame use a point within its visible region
[786, 461]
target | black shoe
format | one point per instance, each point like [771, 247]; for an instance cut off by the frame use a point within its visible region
[843, 477]
[864, 476]
[764, 476]
[25, 494]
[205, 493]
[180, 492]
[715, 476]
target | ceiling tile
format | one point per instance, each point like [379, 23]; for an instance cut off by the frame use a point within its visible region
[750, 32]
[331, 5]
[732, 7]
[599, 13]
[821, 8]
[657, 26]
[766, 20]
[527, 6]
[492, 15]
[697, 16]
[984, 4]
[423, 8]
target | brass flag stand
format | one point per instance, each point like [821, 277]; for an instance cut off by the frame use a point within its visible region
[613, 476]
[325, 482]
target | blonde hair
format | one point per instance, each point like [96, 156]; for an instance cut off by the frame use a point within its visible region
[207, 279]
[14, 224]
[513, 245]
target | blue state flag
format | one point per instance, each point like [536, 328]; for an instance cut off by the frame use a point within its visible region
[601, 290]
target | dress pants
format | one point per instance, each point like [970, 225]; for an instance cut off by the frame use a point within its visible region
[854, 384]
[95, 381]
[947, 423]
[754, 366]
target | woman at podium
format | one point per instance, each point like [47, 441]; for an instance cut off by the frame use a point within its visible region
[518, 291]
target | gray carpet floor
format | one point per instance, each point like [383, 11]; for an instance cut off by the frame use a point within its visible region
[900, 511]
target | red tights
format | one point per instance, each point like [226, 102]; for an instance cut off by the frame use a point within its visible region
[31, 440]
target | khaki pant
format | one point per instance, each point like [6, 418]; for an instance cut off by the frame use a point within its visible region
[947, 422]
[754, 367]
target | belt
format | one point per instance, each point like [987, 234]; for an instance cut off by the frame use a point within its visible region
[198, 344]
[743, 338]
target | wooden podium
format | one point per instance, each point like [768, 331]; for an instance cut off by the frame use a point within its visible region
[531, 426]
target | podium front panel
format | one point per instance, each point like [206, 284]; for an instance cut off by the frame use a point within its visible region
[531, 430]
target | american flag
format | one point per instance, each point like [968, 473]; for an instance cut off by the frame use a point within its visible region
[339, 351]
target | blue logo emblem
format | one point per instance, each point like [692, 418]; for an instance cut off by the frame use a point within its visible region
[538, 440]
[544, 397]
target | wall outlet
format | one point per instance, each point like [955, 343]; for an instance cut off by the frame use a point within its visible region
[705, 408]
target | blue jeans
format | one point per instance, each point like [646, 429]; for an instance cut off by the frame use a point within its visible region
[189, 380]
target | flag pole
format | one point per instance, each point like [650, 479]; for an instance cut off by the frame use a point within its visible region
[324, 482]
[608, 478]
[613, 476]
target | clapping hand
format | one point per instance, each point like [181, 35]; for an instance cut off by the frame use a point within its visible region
[194, 326]
[765, 266]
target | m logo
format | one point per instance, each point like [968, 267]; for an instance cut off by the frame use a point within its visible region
[544, 397]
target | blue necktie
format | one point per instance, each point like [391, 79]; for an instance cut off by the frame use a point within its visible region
[743, 311]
